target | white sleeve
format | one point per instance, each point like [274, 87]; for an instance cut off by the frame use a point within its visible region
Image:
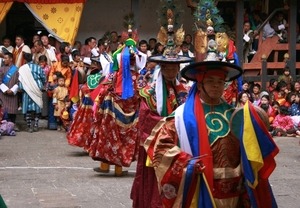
[3, 88]
[15, 89]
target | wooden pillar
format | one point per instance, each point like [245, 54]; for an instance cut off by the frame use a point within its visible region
[264, 72]
[239, 8]
[292, 36]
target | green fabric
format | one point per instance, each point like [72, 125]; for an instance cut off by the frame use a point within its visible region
[128, 42]
[217, 120]
[93, 80]
[2, 203]
[164, 112]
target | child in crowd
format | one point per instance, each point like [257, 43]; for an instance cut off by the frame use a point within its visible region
[276, 107]
[146, 74]
[283, 124]
[286, 77]
[59, 94]
[265, 104]
[256, 94]
[65, 115]
[281, 98]
[46, 68]
[295, 108]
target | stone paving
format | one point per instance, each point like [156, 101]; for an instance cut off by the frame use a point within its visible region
[40, 170]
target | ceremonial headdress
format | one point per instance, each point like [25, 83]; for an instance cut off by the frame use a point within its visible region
[170, 16]
[209, 21]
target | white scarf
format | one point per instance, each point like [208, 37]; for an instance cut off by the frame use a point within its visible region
[160, 93]
[29, 85]
[181, 131]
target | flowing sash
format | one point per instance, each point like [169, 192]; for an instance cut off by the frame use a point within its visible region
[30, 85]
[9, 74]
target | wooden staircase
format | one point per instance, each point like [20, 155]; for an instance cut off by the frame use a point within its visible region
[276, 55]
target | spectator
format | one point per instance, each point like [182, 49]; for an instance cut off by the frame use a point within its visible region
[294, 109]
[283, 124]
[247, 40]
[286, 77]
[295, 87]
[265, 104]
[188, 39]
[243, 97]
[6, 46]
[158, 49]
[152, 43]
[279, 24]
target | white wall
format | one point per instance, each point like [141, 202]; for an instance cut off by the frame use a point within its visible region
[103, 15]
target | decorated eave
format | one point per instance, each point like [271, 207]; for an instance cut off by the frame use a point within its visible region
[47, 1]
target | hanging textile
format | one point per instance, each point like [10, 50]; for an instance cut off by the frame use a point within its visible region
[61, 20]
[4, 8]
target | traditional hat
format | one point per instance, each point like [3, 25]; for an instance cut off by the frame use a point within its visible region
[209, 19]
[170, 14]
[197, 71]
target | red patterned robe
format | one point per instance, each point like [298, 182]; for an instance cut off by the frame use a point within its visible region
[144, 192]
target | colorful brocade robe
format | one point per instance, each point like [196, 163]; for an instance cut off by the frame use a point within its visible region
[170, 161]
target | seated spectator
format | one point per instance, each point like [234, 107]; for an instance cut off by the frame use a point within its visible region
[247, 41]
[265, 104]
[294, 109]
[6, 127]
[283, 124]
[295, 87]
[256, 94]
[245, 88]
[281, 86]
[290, 99]
[272, 85]
[280, 25]
[243, 97]
[281, 98]
[267, 31]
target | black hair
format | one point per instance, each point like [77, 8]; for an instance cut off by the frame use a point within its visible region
[62, 46]
[188, 35]
[43, 58]
[256, 85]
[75, 53]
[20, 36]
[5, 37]
[184, 43]
[86, 42]
[64, 57]
[153, 40]
[57, 73]
[10, 55]
[265, 107]
[39, 42]
[280, 85]
[66, 99]
[284, 110]
[266, 96]
[27, 57]
[61, 77]
[156, 52]
[143, 42]
[289, 97]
